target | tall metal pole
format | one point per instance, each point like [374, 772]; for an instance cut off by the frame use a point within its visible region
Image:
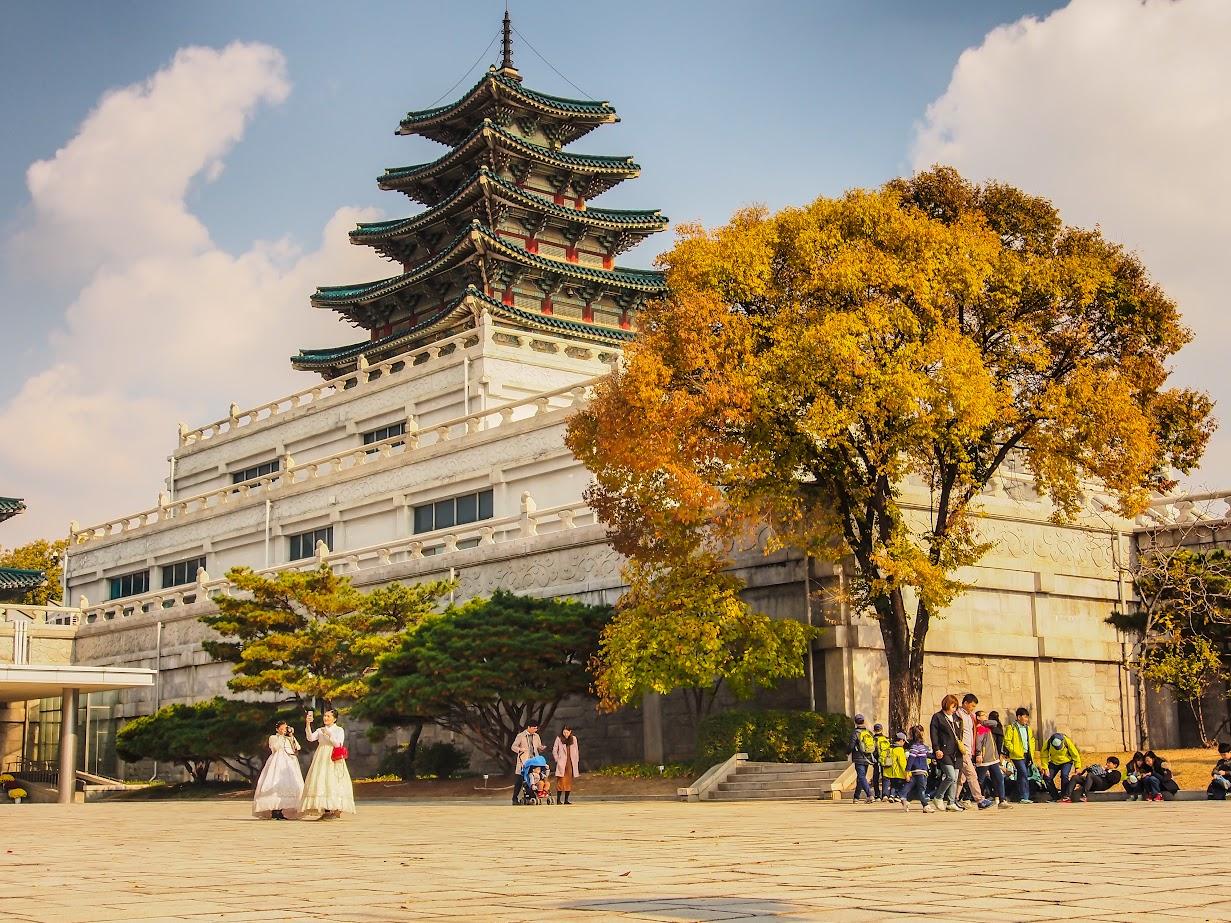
[68, 746]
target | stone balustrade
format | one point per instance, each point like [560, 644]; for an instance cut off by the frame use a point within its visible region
[39, 615]
[1187, 510]
[351, 385]
[349, 460]
[529, 523]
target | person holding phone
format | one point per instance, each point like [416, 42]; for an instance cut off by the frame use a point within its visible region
[327, 791]
[280, 786]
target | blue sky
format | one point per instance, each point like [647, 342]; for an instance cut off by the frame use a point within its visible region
[723, 103]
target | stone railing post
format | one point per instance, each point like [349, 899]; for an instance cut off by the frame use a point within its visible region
[528, 507]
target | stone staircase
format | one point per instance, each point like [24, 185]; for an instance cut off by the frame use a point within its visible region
[778, 781]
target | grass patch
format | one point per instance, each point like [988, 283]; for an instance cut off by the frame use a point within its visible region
[644, 771]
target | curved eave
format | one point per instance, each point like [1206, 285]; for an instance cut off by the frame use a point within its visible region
[475, 239]
[378, 350]
[398, 178]
[372, 233]
[314, 359]
[492, 89]
[18, 578]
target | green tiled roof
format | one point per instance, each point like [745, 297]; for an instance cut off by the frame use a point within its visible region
[644, 280]
[640, 219]
[394, 177]
[491, 88]
[15, 578]
[10, 507]
[318, 358]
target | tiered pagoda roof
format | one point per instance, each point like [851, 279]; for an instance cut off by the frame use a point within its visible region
[508, 230]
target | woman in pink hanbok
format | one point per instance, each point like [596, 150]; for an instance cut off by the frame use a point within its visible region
[280, 786]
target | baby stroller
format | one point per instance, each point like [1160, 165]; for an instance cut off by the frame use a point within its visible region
[533, 771]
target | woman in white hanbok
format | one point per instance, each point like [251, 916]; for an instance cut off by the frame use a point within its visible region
[327, 790]
[280, 786]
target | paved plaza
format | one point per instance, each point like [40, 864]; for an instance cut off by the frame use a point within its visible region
[660, 861]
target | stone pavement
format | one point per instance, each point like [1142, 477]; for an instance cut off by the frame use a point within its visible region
[667, 862]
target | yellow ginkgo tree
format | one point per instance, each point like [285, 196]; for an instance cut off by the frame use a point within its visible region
[808, 363]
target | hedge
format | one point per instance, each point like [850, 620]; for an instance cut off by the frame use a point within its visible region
[773, 736]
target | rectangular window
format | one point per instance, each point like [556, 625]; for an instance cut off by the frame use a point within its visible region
[256, 471]
[130, 584]
[181, 572]
[304, 544]
[454, 511]
[385, 432]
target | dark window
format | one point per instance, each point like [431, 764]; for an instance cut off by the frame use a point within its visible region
[181, 572]
[130, 584]
[455, 511]
[304, 544]
[385, 432]
[256, 471]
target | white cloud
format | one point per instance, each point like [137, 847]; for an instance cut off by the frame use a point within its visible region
[166, 326]
[1120, 113]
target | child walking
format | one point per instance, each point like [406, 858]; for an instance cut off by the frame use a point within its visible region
[894, 769]
[917, 771]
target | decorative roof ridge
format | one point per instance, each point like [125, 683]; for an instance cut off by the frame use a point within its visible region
[650, 280]
[652, 218]
[611, 163]
[599, 109]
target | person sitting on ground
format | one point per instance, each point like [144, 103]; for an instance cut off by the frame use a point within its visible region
[895, 769]
[862, 750]
[1134, 769]
[880, 752]
[1158, 778]
[1094, 778]
[1062, 758]
[987, 761]
[1220, 777]
[1020, 748]
[917, 771]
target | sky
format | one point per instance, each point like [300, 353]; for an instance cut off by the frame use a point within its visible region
[176, 178]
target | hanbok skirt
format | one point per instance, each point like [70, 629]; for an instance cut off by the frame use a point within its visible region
[280, 786]
[328, 786]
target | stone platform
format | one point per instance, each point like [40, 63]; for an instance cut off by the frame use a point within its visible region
[667, 862]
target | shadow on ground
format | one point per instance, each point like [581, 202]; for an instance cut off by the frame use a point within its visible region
[694, 908]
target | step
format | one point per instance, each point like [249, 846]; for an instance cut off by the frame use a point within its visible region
[794, 794]
[824, 775]
[791, 767]
[741, 786]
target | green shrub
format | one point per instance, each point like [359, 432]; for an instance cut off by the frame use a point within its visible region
[645, 771]
[396, 762]
[773, 736]
[441, 760]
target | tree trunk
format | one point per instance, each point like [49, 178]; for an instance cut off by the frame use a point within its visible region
[905, 675]
[413, 746]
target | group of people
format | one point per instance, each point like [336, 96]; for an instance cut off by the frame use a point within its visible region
[282, 792]
[533, 776]
[967, 756]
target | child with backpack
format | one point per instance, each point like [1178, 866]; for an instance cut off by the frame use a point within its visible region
[916, 769]
[862, 751]
[894, 769]
[880, 749]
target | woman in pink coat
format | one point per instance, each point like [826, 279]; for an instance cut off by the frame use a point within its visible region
[564, 754]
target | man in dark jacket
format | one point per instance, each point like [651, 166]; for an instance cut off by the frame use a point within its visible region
[862, 750]
[1092, 779]
[1220, 776]
[945, 735]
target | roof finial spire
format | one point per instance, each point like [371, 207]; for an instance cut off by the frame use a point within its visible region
[506, 58]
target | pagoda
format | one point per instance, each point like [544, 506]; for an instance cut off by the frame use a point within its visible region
[508, 235]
